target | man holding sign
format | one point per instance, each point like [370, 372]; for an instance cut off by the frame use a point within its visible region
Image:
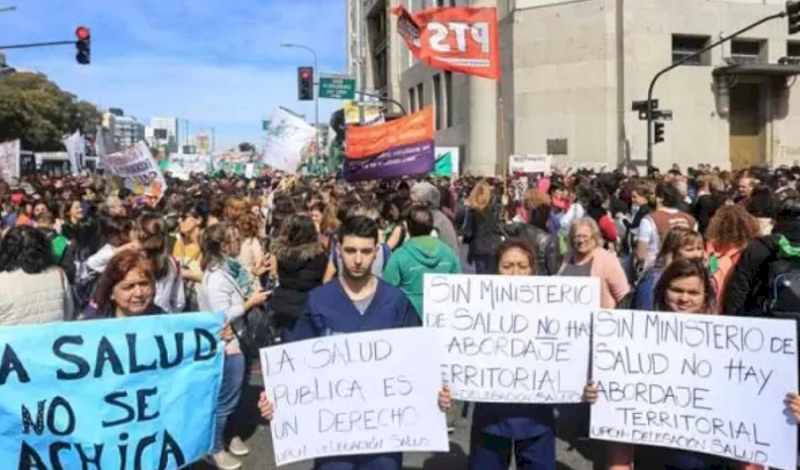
[354, 302]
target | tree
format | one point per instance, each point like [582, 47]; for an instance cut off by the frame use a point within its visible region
[247, 147]
[36, 111]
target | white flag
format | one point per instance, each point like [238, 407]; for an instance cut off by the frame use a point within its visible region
[76, 149]
[10, 160]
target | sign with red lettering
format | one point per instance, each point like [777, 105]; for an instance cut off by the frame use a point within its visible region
[459, 39]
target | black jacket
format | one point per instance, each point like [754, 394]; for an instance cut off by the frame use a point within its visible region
[747, 290]
[483, 233]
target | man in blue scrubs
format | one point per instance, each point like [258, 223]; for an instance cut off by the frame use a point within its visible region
[354, 302]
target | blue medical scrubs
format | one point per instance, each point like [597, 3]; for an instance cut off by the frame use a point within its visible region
[330, 311]
[500, 429]
[661, 458]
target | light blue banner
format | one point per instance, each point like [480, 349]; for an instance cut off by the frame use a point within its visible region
[129, 394]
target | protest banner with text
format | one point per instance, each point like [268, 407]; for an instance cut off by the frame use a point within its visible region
[701, 383]
[138, 168]
[512, 339]
[363, 393]
[127, 394]
[403, 147]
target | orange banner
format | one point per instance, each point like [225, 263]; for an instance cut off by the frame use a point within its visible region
[368, 141]
[459, 39]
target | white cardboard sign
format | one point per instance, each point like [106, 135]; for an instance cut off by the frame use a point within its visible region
[512, 339]
[702, 383]
[363, 393]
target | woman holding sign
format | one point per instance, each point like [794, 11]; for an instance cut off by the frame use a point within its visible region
[500, 429]
[685, 286]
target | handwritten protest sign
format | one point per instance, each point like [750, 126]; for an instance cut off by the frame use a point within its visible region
[138, 168]
[701, 383]
[361, 393]
[513, 339]
[129, 394]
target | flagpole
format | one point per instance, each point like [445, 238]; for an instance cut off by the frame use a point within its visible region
[503, 151]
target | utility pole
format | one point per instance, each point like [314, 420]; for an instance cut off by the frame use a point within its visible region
[650, 110]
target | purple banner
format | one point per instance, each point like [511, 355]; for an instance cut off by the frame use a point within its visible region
[407, 160]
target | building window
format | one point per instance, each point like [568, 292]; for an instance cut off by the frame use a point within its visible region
[438, 108]
[746, 51]
[445, 3]
[793, 49]
[448, 99]
[412, 100]
[420, 97]
[684, 46]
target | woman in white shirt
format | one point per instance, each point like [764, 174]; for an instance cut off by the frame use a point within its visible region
[227, 287]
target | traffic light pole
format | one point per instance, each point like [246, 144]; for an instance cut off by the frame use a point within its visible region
[38, 44]
[683, 61]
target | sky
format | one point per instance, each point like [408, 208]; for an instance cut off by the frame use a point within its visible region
[214, 63]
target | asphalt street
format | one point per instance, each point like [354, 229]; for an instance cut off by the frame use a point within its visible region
[259, 439]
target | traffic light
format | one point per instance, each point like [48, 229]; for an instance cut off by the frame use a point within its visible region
[659, 132]
[793, 14]
[83, 45]
[305, 83]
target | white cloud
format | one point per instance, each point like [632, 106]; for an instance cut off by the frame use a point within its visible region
[214, 63]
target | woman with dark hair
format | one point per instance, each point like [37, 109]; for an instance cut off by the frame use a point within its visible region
[33, 289]
[126, 288]
[502, 429]
[226, 287]
[299, 262]
[153, 238]
[118, 233]
[685, 286]
[763, 205]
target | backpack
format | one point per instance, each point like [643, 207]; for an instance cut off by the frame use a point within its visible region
[783, 282]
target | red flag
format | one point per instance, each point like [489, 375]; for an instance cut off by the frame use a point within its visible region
[459, 39]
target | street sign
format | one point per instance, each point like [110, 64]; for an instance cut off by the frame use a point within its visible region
[337, 87]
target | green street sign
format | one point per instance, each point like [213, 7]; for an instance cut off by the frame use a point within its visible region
[265, 125]
[337, 87]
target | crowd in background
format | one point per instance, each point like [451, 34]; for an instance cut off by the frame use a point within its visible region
[704, 241]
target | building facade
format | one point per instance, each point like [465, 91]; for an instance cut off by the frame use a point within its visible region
[166, 133]
[127, 131]
[572, 68]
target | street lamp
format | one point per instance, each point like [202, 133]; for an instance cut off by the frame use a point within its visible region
[316, 94]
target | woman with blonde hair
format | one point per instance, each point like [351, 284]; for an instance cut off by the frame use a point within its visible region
[588, 258]
[729, 231]
[679, 243]
[482, 228]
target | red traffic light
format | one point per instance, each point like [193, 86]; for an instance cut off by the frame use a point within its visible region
[305, 74]
[82, 32]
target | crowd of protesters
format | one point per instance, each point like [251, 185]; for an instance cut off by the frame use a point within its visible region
[325, 257]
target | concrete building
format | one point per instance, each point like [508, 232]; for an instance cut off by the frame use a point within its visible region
[166, 133]
[375, 49]
[572, 68]
[127, 131]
